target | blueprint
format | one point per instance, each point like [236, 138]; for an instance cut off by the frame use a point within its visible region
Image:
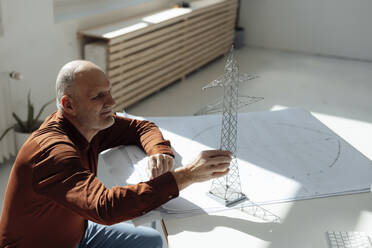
[282, 156]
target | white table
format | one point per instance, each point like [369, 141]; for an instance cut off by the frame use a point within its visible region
[303, 224]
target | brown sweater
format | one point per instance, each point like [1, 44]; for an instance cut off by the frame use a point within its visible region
[53, 189]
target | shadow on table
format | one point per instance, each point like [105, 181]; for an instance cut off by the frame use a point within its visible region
[207, 222]
[263, 231]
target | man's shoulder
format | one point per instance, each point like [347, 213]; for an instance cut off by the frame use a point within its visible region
[51, 135]
[46, 144]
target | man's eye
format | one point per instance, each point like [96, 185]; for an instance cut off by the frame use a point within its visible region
[98, 96]
[102, 94]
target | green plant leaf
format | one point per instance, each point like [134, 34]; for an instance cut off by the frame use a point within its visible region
[32, 123]
[19, 122]
[6, 131]
[30, 113]
[30, 117]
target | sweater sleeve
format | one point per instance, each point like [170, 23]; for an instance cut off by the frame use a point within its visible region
[126, 131]
[66, 182]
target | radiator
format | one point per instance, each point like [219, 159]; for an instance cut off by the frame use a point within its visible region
[141, 55]
[7, 144]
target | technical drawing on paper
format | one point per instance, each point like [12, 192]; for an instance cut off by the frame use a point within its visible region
[283, 156]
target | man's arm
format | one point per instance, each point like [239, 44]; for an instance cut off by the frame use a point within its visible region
[126, 131]
[65, 181]
[144, 134]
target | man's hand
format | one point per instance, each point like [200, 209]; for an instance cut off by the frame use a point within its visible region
[208, 165]
[158, 164]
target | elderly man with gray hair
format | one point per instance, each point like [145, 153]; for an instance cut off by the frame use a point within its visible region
[54, 198]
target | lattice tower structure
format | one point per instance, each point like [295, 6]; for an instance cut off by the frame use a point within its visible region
[228, 188]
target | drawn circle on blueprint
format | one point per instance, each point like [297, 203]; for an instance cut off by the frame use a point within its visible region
[207, 139]
[203, 139]
[209, 136]
[311, 149]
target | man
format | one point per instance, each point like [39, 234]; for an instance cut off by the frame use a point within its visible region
[53, 197]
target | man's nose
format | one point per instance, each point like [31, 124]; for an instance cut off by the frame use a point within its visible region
[110, 101]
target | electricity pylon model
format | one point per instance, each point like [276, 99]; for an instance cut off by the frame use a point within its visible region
[227, 188]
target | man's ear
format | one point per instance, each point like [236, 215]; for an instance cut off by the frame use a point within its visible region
[68, 105]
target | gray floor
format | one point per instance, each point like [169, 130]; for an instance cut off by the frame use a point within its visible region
[330, 86]
[321, 84]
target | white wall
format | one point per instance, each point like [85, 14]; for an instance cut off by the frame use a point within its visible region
[33, 44]
[329, 27]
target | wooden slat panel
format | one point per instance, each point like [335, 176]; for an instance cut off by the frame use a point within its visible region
[197, 55]
[171, 35]
[205, 25]
[219, 22]
[138, 72]
[214, 34]
[146, 56]
[164, 30]
[146, 37]
[128, 100]
[149, 68]
[150, 77]
[141, 71]
[143, 31]
[156, 53]
[187, 46]
[198, 48]
[171, 21]
[98, 32]
[202, 11]
[153, 53]
[196, 18]
[196, 58]
[123, 59]
[143, 61]
[154, 86]
[200, 26]
[191, 66]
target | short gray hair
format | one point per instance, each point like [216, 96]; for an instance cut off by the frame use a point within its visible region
[65, 83]
[66, 79]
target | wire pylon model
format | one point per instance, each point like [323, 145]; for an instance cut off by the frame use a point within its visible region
[228, 188]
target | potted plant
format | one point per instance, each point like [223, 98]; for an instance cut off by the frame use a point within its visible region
[24, 128]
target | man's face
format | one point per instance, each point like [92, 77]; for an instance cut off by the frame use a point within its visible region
[92, 99]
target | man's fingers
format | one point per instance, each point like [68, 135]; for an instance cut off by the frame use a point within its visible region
[219, 160]
[219, 167]
[153, 172]
[220, 174]
[216, 153]
[152, 162]
[160, 164]
[151, 167]
[171, 164]
[167, 166]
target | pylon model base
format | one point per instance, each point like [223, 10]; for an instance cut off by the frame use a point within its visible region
[227, 196]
